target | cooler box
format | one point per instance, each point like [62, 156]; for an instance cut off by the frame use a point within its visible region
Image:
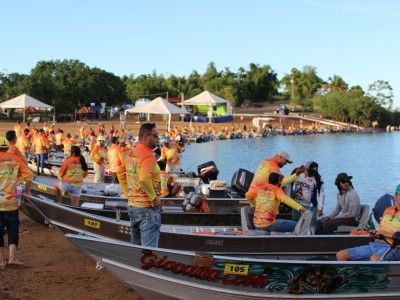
[208, 171]
[217, 189]
[241, 181]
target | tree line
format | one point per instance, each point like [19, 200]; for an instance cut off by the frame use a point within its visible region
[69, 84]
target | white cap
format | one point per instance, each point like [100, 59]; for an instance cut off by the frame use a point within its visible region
[285, 155]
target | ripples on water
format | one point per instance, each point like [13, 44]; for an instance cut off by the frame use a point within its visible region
[372, 159]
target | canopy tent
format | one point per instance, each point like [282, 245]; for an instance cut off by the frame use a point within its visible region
[158, 106]
[205, 102]
[24, 101]
[84, 111]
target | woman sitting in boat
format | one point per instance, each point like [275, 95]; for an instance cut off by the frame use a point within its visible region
[71, 175]
[269, 197]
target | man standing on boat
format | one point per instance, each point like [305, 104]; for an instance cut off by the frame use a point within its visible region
[143, 181]
[389, 224]
[98, 156]
[170, 154]
[268, 166]
[269, 197]
[347, 211]
[12, 171]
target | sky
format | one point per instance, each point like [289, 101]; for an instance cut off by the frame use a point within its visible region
[357, 40]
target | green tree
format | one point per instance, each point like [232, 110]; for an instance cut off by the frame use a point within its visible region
[383, 92]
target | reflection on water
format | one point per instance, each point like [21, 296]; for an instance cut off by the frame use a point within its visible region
[372, 159]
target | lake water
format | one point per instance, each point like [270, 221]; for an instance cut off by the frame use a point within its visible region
[372, 159]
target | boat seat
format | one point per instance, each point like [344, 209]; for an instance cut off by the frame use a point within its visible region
[116, 203]
[361, 224]
[247, 214]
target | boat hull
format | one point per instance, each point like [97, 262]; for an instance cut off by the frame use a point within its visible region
[221, 240]
[159, 273]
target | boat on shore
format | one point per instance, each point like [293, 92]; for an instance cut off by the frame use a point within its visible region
[158, 273]
[214, 239]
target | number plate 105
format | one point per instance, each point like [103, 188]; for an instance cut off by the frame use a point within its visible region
[236, 269]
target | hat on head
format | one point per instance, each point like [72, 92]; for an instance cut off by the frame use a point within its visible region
[398, 189]
[312, 167]
[101, 138]
[274, 178]
[343, 177]
[285, 155]
[3, 143]
[122, 143]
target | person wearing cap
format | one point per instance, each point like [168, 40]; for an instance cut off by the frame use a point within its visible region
[268, 166]
[98, 156]
[114, 157]
[14, 172]
[143, 183]
[389, 224]
[41, 144]
[170, 153]
[309, 192]
[267, 202]
[348, 208]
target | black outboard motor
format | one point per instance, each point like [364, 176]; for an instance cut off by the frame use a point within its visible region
[241, 181]
[208, 171]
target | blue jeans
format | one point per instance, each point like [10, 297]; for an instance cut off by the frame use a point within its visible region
[9, 220]
[145, 225]
[280, 226]
[39, 162]
[365, 252]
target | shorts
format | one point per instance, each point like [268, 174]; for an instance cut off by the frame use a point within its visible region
[365, 252]
[10, 221]
[72, 190]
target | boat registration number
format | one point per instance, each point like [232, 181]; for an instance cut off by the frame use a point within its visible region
[236, 269]
[92, 223]
[42, 187]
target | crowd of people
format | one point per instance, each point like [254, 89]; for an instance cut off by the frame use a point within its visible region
[144, 181]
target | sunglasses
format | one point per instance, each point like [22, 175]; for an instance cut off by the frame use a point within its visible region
[345, 181]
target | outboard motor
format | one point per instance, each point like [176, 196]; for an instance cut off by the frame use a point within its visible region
[241, 181]
[208, 171]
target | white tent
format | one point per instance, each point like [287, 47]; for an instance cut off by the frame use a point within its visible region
[205, 98]
[158, 106]
[23, 101]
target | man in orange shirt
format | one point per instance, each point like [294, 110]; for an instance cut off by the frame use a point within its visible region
[143, 180]
[41, 145]
[170, 153]
[98, 156]
[12, 139]
[18, 128]
[23, 143]
[268, 166]
[59, 139]
[269, 197]
[12, 170]
[389, 224]
[114, 158]
[67, 143]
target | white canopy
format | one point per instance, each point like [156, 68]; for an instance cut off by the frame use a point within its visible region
[23, 101]
[205, 98]
[158, 106]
